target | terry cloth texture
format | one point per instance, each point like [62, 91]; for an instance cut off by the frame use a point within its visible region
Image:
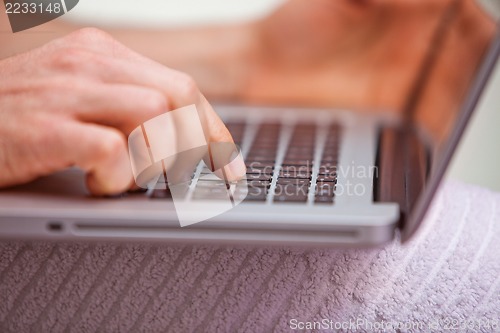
[449, 276]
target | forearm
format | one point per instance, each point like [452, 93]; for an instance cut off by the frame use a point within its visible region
[220, 59]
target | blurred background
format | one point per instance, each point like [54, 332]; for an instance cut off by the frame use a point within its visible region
[478, 158]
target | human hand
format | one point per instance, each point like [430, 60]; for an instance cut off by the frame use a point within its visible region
[73, 101]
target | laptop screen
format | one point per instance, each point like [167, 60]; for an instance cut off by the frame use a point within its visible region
[452, 77]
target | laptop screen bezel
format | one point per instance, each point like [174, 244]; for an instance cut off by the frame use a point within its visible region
[471, 102]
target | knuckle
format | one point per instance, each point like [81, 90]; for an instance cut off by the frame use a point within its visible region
[76, 60]
[56, 91]
[70, 58]
[110, 146]
[90, 35]
[188, 87]
[49, 90]
[50, 134]
[157, 103]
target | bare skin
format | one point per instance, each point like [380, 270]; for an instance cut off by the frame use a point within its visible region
[368, 55]
[350, 53]
[73, 101]
[356, 54]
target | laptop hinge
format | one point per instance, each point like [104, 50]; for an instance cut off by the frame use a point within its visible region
[402, 161]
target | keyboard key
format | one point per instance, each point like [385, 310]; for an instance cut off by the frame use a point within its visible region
[213, 193]
[260, 165]
[298, 157]
[300, 150]
[305, 127]
[304, 153]
[327, 170]
[117, 196]
[290, 198]
[328, 166]
[206, 171]
[137, 190]
[239, 196]
[295, 174]
[330, 159]
[264, 159]
[211, 184]
[298, 168]
[291, 190]
[161, 194]
[266, 137]
[259, 183]
[294, 181]
[297, 161]
[235, 124]
[256, 194]
[258, 176]
[260, 171]
[323, 199]
[263, 152]
[309, 144]
[327, 178]
[269, 159]
[257, 145]
[264, 144]
[325, 189]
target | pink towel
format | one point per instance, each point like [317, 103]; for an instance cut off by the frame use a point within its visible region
[447, 277]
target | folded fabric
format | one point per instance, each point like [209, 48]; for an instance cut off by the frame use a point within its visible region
[446, 277]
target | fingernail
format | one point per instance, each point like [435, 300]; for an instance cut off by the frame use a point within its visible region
[237, 166]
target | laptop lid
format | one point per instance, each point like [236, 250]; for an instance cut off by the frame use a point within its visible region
[461, 57]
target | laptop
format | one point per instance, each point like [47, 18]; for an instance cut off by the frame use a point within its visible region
[355, 179]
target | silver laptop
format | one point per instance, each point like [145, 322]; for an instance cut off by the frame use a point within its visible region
[356, 179]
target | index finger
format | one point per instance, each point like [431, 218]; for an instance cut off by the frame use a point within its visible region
[95, 52]
[117, 64]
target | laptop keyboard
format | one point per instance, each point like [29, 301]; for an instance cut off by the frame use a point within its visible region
[285, 164]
